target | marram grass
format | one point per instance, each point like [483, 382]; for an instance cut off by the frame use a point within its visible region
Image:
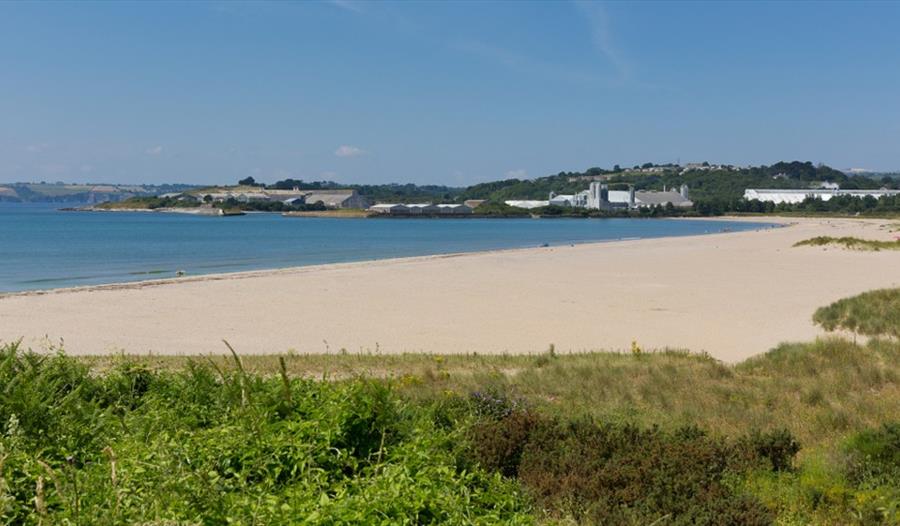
[852, 243]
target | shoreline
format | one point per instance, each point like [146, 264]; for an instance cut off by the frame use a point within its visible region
[297, 269]
[730, 296]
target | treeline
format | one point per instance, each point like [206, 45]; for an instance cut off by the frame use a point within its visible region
[151, 203]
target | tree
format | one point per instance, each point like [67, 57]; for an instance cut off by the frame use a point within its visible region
[207, 198]
[247, 181]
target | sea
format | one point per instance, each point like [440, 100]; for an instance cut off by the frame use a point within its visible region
[42, 247]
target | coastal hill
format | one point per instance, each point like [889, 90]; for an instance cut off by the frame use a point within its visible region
[714, 188]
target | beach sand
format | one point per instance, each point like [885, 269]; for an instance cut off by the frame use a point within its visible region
[731, 295]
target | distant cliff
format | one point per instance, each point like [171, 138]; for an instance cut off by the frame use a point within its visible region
[80, 193]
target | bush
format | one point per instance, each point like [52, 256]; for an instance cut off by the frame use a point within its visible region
[873, 456]
[773, 450]
[621, 474]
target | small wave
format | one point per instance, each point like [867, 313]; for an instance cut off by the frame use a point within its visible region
[146, 272]
[60, 280]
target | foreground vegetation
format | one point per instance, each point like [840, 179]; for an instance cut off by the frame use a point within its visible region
[589, 438]
[804, 434]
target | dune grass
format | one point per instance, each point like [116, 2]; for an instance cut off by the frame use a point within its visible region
[874, 313]
[820, 390]
[851, 243]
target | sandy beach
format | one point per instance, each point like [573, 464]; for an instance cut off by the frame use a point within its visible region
[731, 295]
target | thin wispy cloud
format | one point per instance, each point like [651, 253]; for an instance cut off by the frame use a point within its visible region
[36, 148]
[345, 150]
[602, 36]
[347, 5]
[524, 64]
[156, 150]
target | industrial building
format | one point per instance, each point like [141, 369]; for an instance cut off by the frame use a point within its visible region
[330, 198]
[598, 196]
[779, 196]
[421, 209]
[526, 203]
[337, 198]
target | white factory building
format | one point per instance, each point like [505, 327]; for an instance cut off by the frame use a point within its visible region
[526, 203]
[779, 196]
[599, 197]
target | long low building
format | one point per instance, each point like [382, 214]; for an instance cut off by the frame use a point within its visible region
[420, 209]
[779, 196]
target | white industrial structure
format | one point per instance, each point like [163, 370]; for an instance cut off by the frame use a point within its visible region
[598, 196]
[526, 203]
[779, 196]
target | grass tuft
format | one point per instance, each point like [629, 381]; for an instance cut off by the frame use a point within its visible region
[874, 313]
[851, 243]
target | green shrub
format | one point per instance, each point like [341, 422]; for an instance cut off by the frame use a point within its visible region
[218, 446]
[775, 449]
[874, 455]
[603, 473]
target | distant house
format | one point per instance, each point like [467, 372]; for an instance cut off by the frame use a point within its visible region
[473, 203]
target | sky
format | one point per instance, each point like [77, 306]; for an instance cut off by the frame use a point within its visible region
[448, 93]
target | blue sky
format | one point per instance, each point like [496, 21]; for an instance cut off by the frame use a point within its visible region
[440, 92]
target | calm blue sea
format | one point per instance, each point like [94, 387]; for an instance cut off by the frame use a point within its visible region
[44, 248]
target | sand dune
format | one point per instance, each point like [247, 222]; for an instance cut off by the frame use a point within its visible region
[731, 295]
